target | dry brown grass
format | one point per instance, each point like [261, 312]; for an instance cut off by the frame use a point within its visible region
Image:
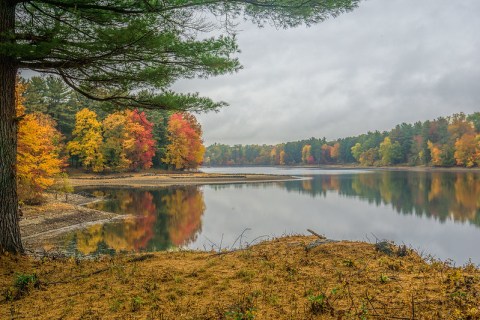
[277, 279]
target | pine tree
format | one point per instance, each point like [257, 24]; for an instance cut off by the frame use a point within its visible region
[127, 52]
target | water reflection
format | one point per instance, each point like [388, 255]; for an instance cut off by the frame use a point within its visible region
[435, 211]
[162, 218]
[441, 195]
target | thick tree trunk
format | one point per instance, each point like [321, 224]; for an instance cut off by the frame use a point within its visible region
[9, 228]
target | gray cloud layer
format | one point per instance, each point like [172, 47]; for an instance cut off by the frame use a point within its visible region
[389, 61]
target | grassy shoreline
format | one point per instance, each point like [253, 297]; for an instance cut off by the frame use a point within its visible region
[293, 277]
[284, 278]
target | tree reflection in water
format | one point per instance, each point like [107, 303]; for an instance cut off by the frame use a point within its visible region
[441, 195]
[172, 217]
[161, 218]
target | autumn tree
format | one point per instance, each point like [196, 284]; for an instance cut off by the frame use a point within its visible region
[281, 160]
[326, 153]
[185, 149]
[335, 151]
[467, 150]
[113, 147]
[127, 52]
[274, 156]
[390, 153]
[357, 151]
[435, 153]
[128, 141]
[307, 154]
[159, 119]
[38, 153]
[87, 140]
[369, 157]
[141, 147]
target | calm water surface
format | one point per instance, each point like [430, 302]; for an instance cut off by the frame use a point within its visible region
[435, 212]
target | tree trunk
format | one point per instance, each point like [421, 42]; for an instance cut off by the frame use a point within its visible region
[9, 228]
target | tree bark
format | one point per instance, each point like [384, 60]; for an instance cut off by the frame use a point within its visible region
[9, 227]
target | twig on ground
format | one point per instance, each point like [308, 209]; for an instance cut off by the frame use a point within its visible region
[316, 234]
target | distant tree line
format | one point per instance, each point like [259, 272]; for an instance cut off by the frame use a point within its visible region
[445, 142]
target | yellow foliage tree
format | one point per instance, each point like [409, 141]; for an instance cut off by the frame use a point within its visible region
[116, 142]
[87, 141]
[38, 160]
[282, 158]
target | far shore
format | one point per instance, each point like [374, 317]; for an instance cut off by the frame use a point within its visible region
[358, 167]
[154, 178]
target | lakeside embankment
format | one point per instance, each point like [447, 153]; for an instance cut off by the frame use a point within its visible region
[295, 277]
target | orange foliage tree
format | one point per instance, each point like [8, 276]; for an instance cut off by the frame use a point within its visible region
[141, 145]
[435, 153]
[39, 146]
[335, 151]
[185, 149]
[129, 142]
[467, 150]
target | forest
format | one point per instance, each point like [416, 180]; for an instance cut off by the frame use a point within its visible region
[58, 128]
[443, 142]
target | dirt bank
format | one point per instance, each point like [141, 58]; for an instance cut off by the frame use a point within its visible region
[279, 279]
[58, 214]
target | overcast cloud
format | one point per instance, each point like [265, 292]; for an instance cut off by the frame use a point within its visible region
[387, 62]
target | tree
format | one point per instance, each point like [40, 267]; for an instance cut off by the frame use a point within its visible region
[113, 148]
[38, 159]
[159, 118]
[369, 157]
[467, 150]
[185, 150]
[435, 153]
[140, 145]
[87, 140]
[128, 141]
[335, 151]
[390, 153]
[50, 95]
[357, 151]
[306, 153]
[128, 52]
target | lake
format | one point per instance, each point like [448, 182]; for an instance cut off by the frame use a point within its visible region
[437, 213]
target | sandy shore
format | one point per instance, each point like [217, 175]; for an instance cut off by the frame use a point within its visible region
[58, 215]
[158, 179]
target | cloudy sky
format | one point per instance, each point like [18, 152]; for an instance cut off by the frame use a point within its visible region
[387, 62]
